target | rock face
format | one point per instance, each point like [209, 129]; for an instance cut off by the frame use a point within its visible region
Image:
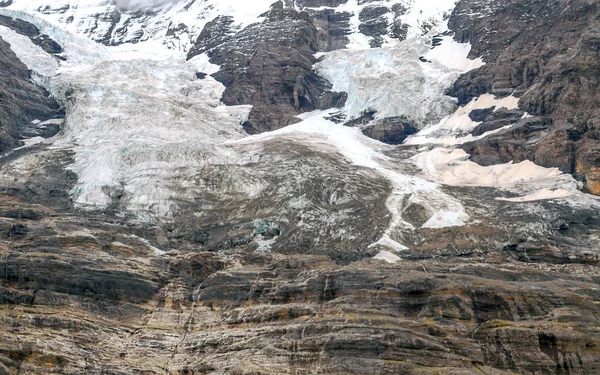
[33, 33]
[24, 107]
[270, 66]
[391, 130]
[79, 300]
[546, 52]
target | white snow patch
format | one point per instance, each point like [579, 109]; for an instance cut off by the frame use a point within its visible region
[264, 245]
[203, 64]
[386, 241]
[426, 15]
[454, 55]
[446, 219]
[31, 55]
[543, 194]
[387, 256]
[455, 129]
[154, 249]
[452, 167]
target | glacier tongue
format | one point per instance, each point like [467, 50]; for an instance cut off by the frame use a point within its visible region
[140, 123]
[142, 128]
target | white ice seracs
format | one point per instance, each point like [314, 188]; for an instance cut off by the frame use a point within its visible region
[394, 82]
[141, 124]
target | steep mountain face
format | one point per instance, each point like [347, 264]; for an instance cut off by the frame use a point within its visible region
[269, 65]
[26, 110]
[299, 187]
[547, 53]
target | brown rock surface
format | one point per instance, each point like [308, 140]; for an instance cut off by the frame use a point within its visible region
[127, 311]
[88, 294]
[546, 52]
[269, 65]
[513, 291]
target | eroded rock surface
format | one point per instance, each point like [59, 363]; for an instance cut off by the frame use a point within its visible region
[546, 52]
[290, 252]
[24, 106]
[270, 66]
[97, 299]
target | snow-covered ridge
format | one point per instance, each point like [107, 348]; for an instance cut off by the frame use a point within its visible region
[178, 23]
[174, 23]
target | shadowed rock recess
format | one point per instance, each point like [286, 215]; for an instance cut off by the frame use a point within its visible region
[277, 262]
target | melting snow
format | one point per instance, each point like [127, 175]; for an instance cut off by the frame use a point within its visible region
[317, 131]
[387, 256]
[452, 167]
[454, 129]
[542, 194]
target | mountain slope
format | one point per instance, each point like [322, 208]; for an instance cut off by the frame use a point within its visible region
[258, 188]
[557, 76]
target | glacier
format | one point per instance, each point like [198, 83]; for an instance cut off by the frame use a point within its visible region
[143, 127]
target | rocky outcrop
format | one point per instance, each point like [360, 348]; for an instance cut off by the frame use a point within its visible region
[515, 291]
[277, 261]
[32, 32]
[391, 130]
[546, 52]
[24, 107]
[269, 65]
[81, 300]
[373, 23]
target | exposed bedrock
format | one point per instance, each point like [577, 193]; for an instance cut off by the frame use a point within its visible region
[24, 107]
[32, 32]
[547, 53]
[270, 66]
[108, 306]
[268, 266]
[391, 130]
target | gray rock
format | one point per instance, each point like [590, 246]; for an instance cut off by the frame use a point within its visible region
[269, 65]
[22, 103]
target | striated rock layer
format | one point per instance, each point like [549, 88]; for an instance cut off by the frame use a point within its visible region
[93, 298]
